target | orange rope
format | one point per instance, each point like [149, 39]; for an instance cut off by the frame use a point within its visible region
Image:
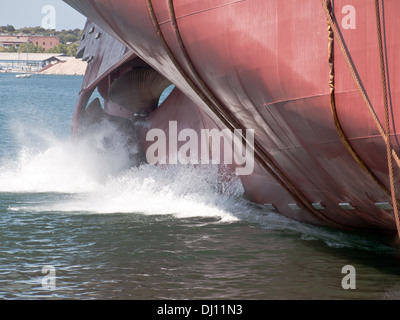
[385, 133]
[387, 117]
[227, 119]
[356, 78]
[339, 128]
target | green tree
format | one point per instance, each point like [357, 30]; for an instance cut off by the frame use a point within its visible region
[10, 28]
[61, 48]
[12, 49]
[30, 48]
[25, 30]
[72, 49]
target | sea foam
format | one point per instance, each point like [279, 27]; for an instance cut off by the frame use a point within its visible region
[97, 174]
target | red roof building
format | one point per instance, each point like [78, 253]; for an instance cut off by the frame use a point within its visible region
[46, 42]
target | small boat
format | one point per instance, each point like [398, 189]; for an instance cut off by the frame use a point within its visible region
[26, 75]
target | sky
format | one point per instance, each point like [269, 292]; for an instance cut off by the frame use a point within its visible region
[45, 13]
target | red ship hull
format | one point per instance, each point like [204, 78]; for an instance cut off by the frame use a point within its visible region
[275, 67]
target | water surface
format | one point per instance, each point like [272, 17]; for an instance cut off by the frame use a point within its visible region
[115, 232]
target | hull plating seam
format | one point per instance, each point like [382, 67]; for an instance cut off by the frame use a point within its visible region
[231, 123]
[356, 77]
[338, 125]
[387, 118]
[385, 133]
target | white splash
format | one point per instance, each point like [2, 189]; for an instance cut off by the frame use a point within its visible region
[94, 176]
[152, 190]
[96, 173]
[61, 165]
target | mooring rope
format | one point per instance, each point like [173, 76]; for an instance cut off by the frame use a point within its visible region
[260, 155]
[387, 117]
[336, 120]
[356, 78]
[385, 133]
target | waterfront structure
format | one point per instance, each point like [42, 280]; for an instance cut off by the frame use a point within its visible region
[46, 42]
[30, 62]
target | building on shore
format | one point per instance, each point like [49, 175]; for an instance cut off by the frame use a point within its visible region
[46, 42]
[29, 62]
[12, 41]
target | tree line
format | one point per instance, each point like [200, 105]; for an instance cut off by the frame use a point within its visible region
[69, 40]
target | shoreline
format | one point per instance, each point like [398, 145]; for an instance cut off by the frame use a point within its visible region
[72, 67]
[16, 72]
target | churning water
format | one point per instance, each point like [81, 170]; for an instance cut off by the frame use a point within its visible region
[109, 231]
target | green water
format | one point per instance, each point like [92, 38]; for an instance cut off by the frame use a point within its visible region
[114, 232]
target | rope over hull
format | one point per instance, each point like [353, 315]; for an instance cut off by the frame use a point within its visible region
[311, 97]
